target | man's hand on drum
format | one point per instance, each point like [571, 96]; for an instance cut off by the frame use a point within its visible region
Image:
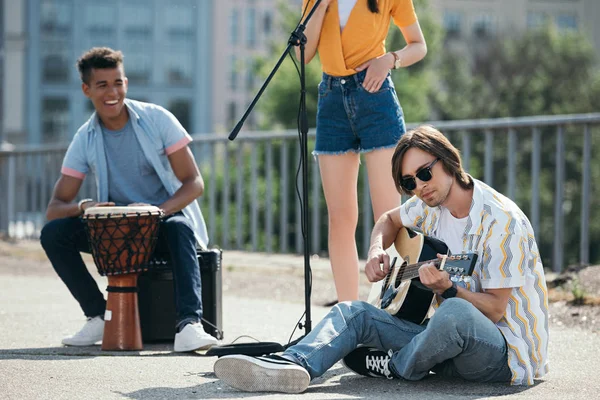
[89, 204]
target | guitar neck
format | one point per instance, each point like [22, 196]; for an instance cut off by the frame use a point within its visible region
[411, 271]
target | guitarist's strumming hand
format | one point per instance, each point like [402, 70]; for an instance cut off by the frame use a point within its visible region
[436, 280]
[378, 264]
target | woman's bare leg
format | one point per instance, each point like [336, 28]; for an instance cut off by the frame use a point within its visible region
[384, 195]
[339, 175]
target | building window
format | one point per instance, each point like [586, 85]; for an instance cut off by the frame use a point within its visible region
[483, 26]
[182, 110]
[234, 22]
[55, 119]
[566, 22]
[180, 51]
[100, 21]
[251, 27]
[250, 74]
[137, 41]
[452, 23]
[268, 23]
[56, 20]
[179, 67]
[535, 19]
[233, 75]
[231, 114]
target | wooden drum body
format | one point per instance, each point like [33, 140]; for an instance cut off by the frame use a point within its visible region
[122, 240]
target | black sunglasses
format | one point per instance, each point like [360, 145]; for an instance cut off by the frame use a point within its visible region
[424, 175]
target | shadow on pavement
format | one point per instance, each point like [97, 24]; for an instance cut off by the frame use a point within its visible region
[65, 352]
[339, 382]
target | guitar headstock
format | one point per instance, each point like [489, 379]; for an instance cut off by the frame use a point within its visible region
[460, 265]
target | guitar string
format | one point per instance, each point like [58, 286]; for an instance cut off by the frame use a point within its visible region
[412, 268]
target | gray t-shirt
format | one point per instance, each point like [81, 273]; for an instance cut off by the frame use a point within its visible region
[131, 177]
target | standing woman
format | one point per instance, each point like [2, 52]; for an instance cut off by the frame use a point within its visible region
[358, 112]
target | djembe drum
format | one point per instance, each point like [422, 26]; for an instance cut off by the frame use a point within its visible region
[122, 241]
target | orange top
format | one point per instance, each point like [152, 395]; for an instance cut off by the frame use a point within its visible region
[363, 37]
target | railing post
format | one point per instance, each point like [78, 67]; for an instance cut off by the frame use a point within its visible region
[466, 150]
[283, 216]
[584, 251]
[11, 192]
[270, 200]
[512, 162]
[367, 214]
[557, 261]
[488, 174]
[536, 161]
[315, 225]
[225, 203]
[212, 194]
[254, 196]
[239, 197]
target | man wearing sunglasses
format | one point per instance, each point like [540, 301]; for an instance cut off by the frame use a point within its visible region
[493, 328]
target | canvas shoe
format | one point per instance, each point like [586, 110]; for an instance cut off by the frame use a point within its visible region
[369, 361]
[268, 373]
[88, 335]
[193, 337]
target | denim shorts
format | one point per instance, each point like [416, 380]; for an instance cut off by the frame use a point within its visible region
[349, 118]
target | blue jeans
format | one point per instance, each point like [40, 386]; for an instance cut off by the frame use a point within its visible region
[64, 239]
[351, 119]
[458, 341]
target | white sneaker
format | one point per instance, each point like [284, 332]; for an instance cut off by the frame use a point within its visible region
[88, 335]
[270, 373]
[192, 337]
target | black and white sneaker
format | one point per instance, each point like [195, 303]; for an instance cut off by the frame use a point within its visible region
[369, 361]
[268, 373]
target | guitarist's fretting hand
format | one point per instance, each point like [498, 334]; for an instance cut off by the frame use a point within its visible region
[378, 265]
[436, 280]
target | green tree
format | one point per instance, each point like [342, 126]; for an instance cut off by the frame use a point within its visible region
[279, 105]
[541, 72]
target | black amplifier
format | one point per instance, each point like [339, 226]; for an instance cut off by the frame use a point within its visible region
[157, 302]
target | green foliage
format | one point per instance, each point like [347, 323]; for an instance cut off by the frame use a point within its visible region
[542, 72]
[578, 292]
[414, 85]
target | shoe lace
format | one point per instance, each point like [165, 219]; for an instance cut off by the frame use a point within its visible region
[380, 364]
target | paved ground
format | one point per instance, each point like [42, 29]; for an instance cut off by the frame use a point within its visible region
[36, 311]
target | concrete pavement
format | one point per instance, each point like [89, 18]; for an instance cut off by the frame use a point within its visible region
[36, 311]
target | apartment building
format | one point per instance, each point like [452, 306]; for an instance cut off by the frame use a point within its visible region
[467, 20]
[167, 60]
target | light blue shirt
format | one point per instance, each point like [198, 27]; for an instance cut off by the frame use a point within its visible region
[131, 177]
[159, 134]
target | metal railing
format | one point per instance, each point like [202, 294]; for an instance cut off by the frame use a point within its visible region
[544, 163]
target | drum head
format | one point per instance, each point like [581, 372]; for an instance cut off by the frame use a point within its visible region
[120, 211]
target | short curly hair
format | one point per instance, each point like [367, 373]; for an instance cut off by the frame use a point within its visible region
[98, 58]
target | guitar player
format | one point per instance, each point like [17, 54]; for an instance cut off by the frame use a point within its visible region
[492, 329]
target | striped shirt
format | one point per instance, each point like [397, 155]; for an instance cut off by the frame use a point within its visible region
[508, 257]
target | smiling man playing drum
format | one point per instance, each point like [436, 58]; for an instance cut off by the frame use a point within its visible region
[139, 155]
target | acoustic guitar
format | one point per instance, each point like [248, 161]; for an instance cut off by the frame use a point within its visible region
[401, 293]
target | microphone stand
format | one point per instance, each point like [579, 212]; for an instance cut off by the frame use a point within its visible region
[297, 38]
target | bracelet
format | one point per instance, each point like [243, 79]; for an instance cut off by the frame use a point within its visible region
[81, 203]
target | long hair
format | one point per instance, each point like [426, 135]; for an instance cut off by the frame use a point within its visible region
[432, 141]
[373, 6]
